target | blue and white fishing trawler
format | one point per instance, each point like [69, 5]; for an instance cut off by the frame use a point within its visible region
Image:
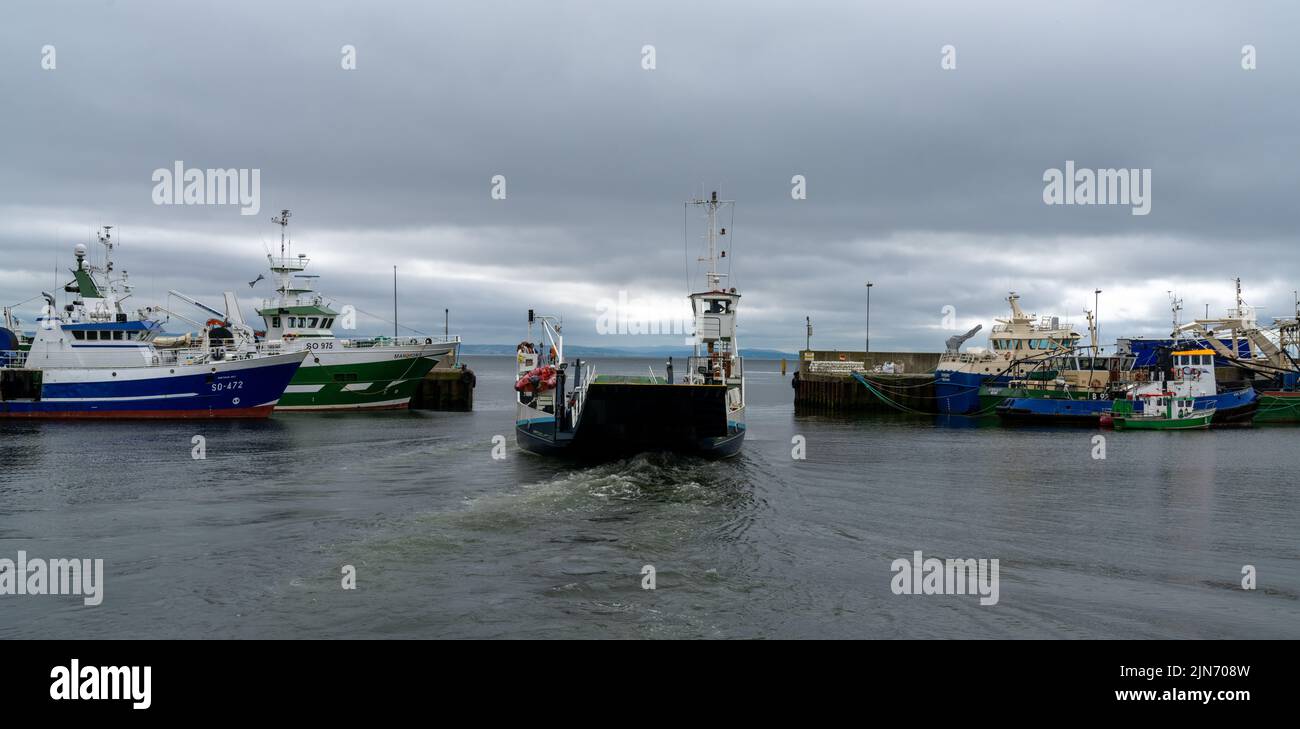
[91, 360]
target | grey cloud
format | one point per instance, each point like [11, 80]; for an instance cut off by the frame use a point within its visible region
[926, 182]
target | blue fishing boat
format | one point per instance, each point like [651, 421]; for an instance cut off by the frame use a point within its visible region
[92, 360]
[1018, 345]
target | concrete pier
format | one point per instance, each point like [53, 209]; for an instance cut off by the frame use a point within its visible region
[836, 392]
[450, 389]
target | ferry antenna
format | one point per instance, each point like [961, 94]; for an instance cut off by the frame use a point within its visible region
[711, 205]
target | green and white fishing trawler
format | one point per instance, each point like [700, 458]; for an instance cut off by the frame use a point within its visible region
[340, 374]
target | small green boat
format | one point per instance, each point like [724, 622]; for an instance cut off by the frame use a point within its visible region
[1161, 412]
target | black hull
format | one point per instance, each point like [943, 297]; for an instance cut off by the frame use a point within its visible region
[1242, 416]
[540, 438]
[621, 419]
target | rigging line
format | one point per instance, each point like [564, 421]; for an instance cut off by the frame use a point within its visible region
[387, 321]
[731, 225]
[685, 246]
[20, 303]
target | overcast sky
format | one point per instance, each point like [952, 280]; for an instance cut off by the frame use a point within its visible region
[928, 182]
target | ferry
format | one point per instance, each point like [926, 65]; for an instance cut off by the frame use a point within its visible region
[565, 408]
[92, 360]
[1018, 344]
[338, 374]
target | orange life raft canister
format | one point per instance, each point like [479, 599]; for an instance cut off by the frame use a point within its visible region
[539, 379]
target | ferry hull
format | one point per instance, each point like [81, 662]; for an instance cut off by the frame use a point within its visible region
[229, 389]
[623, 419]
[538, 437]
[377, 378]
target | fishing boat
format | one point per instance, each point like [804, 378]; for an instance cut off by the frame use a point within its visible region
[1018, 344]
[12, 336]
[1158, 411]
[1190, 375]
[1071, 385]
[339, 374]
[1264, 357]
[92, 360]
[565, 408]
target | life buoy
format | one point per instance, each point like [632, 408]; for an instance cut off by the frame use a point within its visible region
[1095, 383]
[290, 336]
[539, 379]
[428, 340]
[1007, 356]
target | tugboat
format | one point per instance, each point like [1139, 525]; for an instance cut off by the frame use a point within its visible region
[1159, 411]
[1019, 345]
[565, 408]
[339, 374]
[93, 361]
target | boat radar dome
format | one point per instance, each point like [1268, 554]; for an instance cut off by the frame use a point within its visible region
[80, 250]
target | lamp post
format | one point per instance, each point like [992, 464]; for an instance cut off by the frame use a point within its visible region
[868, 343]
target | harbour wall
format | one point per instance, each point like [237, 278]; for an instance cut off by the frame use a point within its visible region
[912, 389]
[448, 389]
